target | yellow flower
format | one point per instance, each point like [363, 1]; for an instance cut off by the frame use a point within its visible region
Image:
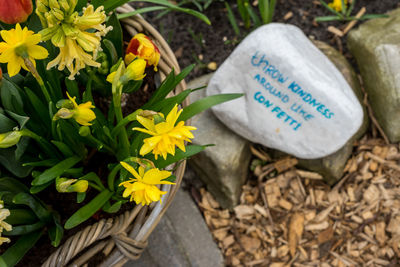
[4, 213]
[82, 113]
[135, 71]
[73, 57]
[165, 135]
[337, 5]
[77, 36]
[142, 188]
[20, 44]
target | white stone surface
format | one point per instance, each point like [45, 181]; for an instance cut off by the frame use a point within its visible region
[295, 100]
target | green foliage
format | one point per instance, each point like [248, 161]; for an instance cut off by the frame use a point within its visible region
[249, 16]
[345, 13]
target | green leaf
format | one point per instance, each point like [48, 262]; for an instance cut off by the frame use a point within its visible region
[115, 36]
[112, 208]
[21, 216]
[327, 18]
[80, 197]
[11, 97]
[374, 16]
[65, 150]
[88, 210]
[52, 173]
[140, 11]
[26, 199]
[12, 185]
[204, 104]
[15, 253]
[112, 52]
[256, 20]
[168, 85]
[179, 155]
[9, 161]
[232, 19]
[56, 232]
[39, 188]
[72, 88]
[25, 229]
[6, 124]
[243, 12]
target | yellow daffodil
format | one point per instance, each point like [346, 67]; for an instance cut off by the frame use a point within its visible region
[337, 5]
[142, 46]
[143, 187]
[165, 135]
[82, 113]
[4, 213]
[20, 44]
[77, 36]
[135, 71]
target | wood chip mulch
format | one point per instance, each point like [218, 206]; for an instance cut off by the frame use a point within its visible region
[289, 217]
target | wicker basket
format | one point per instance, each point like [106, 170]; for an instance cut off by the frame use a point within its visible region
[125, 237]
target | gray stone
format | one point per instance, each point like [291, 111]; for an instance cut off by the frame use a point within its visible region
[181, 239]
[295, 98]
[223, 167]
[332, 166]
[376, 47]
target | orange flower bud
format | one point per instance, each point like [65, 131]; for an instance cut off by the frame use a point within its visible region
[15, 11]
[143, 47]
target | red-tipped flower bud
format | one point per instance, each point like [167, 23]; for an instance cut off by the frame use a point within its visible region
[15, 11]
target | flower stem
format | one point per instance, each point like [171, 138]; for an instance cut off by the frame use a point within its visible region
[33, 70]
[123, 136]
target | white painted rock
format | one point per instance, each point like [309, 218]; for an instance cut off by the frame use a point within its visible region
[295, 100]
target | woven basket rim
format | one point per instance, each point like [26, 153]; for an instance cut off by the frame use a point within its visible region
[124, 237]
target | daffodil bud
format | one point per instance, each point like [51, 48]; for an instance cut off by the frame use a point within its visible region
[54, 4]
[65, 103]
[65, 185]
[135, 71]
[64, 5]
[10, 139]
[15, 11]
[58, 13]
[84, 131]
[63, 113]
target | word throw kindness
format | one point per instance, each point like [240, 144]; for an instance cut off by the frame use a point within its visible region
[295, 100]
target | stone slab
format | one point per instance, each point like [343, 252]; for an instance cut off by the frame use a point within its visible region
[181, 239]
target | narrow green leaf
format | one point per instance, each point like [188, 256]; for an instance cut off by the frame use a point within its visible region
[112, 208]
[256, 20]
[65, 150]
[21, 216]
[140, 11]
[327, 18]
[204, 104]
[57, 170]
[232, 20]
[26, 199]
[15, 253]
[25, 229]
[179, 155]
[88, 210]
[115, 36]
